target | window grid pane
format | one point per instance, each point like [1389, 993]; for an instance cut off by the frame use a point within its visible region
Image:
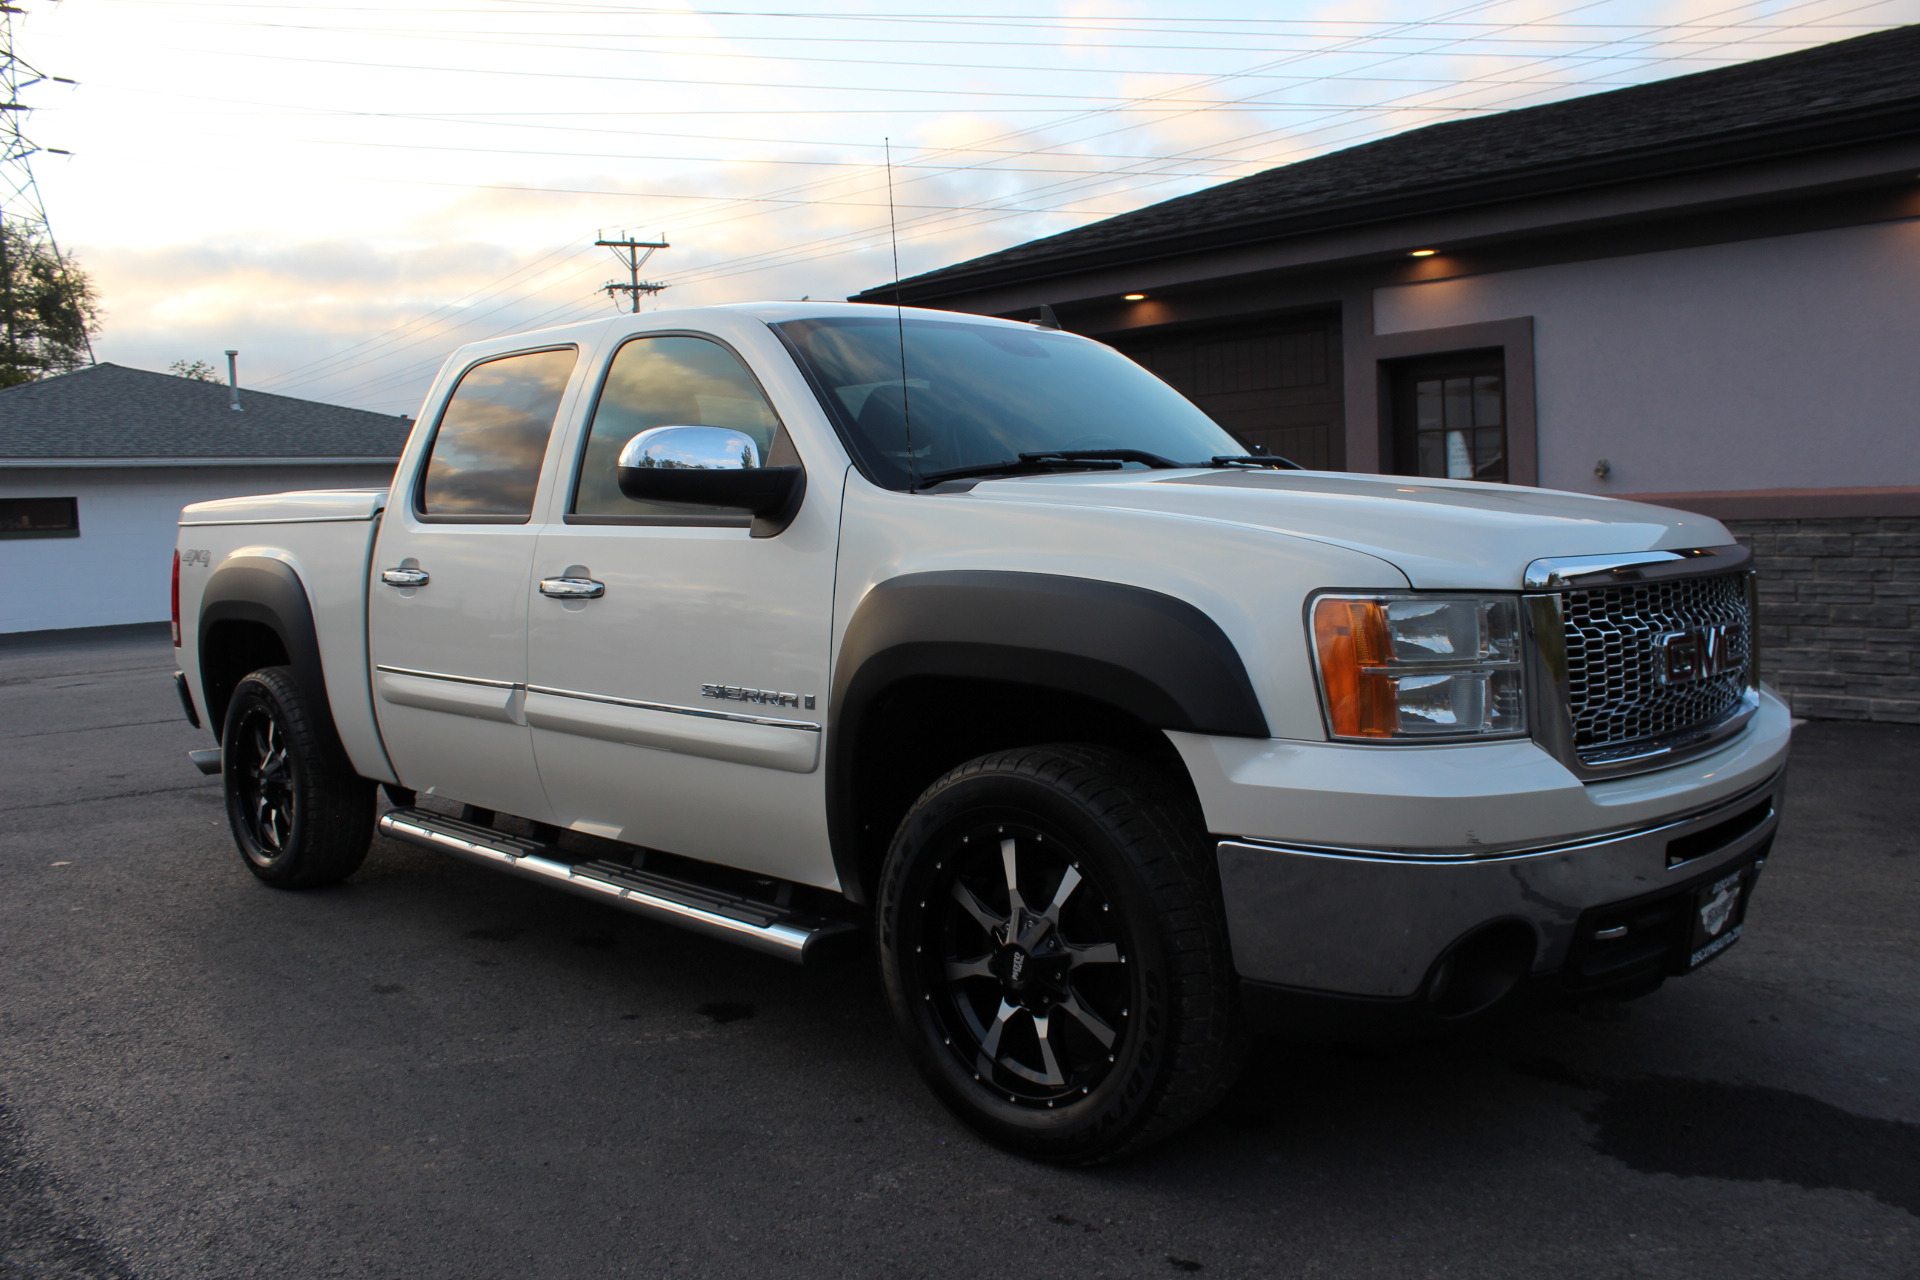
[1459, 425]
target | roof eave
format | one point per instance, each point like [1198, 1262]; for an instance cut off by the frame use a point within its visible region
[1883, 122]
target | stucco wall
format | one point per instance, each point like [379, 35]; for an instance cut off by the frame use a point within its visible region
[118, 569]
[1784, 363]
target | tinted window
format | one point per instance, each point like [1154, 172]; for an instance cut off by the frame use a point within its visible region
[486, 454]
[39, 517]
[975, 394]
[669, 381]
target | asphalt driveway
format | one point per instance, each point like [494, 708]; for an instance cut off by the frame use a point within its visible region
[436, 1071]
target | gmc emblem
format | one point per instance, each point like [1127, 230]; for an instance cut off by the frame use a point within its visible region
[1699, 654]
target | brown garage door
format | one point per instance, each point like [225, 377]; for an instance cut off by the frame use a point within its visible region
[1277, 385]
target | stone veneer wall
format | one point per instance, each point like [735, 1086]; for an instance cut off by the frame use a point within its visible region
[1839, 600]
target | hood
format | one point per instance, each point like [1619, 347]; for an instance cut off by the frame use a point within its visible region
[1447, 534]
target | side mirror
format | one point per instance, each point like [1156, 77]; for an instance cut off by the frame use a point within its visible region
[711, 466]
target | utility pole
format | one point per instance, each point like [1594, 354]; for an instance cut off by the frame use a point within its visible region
[21, 210]
[629, 252]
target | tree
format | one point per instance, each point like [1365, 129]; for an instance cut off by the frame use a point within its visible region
[48, 308]
[198, 370]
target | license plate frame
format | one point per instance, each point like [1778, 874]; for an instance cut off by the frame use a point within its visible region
[1718, 913]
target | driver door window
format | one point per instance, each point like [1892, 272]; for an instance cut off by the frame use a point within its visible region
[668, 381]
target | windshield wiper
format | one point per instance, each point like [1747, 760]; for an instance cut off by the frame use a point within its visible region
[1021, 466]
[1273, 460]
[1153, 460]
[1030, 464]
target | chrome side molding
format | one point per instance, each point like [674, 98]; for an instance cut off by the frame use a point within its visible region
[1575, 573]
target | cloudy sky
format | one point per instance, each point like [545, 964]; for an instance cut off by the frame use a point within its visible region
[348, 192]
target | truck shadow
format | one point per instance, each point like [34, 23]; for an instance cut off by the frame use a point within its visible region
[1304, 1103]
[1357, 1116]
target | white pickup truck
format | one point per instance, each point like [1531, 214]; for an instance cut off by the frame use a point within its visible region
[786, 622]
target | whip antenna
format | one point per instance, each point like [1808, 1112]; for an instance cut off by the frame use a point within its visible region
[900, 326]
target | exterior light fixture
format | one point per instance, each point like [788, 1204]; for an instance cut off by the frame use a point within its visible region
[1135, 297]
[1423, 253]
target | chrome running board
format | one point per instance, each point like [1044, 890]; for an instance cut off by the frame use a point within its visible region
[763, 926]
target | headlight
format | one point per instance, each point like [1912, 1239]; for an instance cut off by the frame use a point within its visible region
[1419, 666]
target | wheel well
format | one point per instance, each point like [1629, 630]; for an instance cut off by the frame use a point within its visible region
[919, 728]
[229, 650]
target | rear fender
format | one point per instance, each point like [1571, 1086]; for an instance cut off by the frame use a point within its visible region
[267, 592]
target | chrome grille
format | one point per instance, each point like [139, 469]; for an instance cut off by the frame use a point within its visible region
[1615, 695]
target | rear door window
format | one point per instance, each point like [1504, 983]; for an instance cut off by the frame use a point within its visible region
[484, 462]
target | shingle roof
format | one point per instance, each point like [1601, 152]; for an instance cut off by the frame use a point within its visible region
[111, 411]
[1866, 86]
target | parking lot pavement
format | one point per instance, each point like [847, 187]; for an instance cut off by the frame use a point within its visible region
[437, 1071]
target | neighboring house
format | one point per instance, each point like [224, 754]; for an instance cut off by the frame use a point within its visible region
[1703, 292]
[95, 466]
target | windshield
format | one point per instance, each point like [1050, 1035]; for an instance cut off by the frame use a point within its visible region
[975, 394]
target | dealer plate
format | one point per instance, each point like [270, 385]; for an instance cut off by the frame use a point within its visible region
[1719, 913]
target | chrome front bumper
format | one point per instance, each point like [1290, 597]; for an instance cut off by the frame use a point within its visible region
[1375, 925]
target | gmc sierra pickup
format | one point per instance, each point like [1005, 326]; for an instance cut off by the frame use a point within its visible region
[786, 622]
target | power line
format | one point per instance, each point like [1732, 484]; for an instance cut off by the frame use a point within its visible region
[936, 215]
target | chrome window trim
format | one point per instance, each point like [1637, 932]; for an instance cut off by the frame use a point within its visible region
[1579, 573]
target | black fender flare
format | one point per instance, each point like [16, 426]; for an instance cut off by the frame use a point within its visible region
[263, 590]
[1155, 657]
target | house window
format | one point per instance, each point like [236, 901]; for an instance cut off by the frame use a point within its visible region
[1450, 416]
[39, 517]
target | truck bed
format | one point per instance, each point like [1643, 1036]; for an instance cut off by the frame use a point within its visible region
[325, 536]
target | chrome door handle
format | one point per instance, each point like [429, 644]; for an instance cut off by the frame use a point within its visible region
[405, 577]
[572, 588]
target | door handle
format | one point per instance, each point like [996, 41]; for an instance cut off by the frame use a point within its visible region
[572, 588]
[405, 577]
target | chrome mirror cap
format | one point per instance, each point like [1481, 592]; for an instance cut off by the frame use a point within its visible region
[691, 449]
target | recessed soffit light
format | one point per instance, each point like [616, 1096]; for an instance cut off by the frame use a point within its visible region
[1423, 253]
[1135, 297]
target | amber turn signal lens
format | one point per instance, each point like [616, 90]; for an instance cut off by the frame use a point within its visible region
[1351, 636]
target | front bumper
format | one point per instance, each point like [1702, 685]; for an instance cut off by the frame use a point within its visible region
[1379, 922]
[1379, 926]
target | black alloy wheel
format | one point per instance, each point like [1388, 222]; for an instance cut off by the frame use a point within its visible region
[1055, 955]
[263, 784]
[299, 814]
[1024, 963]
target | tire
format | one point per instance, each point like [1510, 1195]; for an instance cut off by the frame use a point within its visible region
[1105, 1022]
[300, 815]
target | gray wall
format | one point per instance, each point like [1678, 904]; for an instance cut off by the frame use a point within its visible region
[1789, 362]
[118, 570]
